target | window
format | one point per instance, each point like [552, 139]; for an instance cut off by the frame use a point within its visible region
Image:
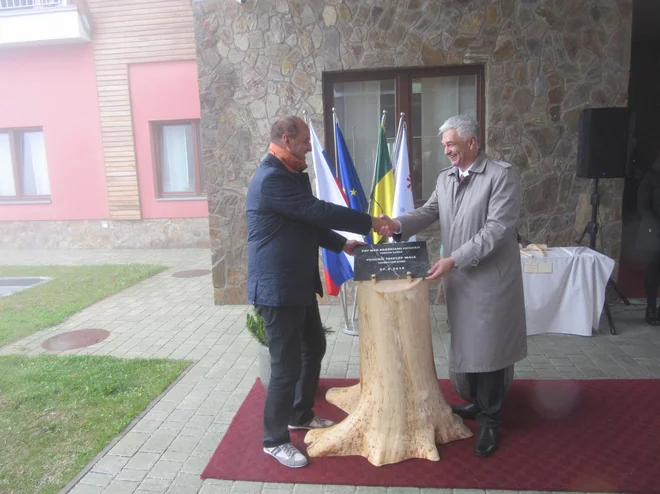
[427, 97]
[23, 166]
[177, 163]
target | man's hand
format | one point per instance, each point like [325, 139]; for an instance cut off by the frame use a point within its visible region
[441, 268]
[377, 224]
[389, 226]
[350, 245]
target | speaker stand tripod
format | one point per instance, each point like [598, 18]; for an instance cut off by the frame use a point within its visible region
[592, 229]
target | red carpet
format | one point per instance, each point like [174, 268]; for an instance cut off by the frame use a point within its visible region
[567, 435]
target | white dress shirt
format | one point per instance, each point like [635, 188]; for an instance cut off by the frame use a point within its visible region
[464, 174]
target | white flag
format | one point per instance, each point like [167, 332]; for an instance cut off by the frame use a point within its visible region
[327, 188]
[403, 189]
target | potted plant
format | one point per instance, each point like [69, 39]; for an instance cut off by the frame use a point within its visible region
[255, 325]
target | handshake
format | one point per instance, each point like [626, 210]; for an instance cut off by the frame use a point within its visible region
[385, 226]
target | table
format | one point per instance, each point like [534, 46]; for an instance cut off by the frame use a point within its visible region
[570, 298]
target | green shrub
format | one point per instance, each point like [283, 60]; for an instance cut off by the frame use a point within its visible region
[255, 325]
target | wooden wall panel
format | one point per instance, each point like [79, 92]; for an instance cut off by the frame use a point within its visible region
[131, 31]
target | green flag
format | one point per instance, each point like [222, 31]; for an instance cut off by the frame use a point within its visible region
[382, 196]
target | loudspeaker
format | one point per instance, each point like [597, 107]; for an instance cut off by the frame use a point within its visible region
[604, 136]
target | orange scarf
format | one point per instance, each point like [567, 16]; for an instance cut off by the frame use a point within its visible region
[292, 163]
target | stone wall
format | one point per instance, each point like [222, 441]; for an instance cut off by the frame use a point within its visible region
[545, 60]
[105, 234]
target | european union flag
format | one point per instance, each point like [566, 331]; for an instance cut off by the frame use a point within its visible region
[350, 181]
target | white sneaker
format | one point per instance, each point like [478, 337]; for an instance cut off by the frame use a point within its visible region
[288, 455]
[315, 423]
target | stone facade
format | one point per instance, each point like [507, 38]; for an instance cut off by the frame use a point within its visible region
[545, 60]
[94, 234]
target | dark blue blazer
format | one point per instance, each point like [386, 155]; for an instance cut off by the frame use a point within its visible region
[286, 227]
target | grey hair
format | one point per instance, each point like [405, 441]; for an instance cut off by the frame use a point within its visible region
[465, 125]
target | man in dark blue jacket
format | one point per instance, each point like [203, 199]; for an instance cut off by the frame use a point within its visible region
[286, 227]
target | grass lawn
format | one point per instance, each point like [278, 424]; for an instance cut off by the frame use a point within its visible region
[73, 289]
[57, 413]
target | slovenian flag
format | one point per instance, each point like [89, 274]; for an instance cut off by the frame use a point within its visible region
[338, 267]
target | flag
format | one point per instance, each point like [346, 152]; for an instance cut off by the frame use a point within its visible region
[397, 147]
[382, 194]
[403, 191]
[338, 268]
[350, 181]
[349, 178]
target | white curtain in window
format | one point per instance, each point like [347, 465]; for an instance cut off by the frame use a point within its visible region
[359, 118]
[178, 172]
[7, 187]
[442, 97]
[35, 168]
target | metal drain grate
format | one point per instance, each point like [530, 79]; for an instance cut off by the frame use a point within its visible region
[75, 339]
[9, 286]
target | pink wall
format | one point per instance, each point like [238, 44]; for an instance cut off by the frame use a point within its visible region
[54, 87]
[162, 91]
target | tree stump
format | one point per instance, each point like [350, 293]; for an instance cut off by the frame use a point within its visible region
[397, 411]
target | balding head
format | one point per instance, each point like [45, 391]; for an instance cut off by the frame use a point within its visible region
[292, 134]
[289, 125]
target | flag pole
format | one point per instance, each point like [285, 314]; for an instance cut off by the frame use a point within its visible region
[401, 124]
[334, 133]
[354, 140]
[355, 297]
[373, 178]
[397, 143]
[348, 328]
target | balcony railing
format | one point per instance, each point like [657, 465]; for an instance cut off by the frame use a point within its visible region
[29, 4]
[39, 22]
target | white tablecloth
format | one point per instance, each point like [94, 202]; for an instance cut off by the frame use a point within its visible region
[570, 299]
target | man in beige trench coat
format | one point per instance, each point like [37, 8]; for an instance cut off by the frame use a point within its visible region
[477, 201]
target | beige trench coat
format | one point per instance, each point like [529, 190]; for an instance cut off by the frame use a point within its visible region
[484, 293]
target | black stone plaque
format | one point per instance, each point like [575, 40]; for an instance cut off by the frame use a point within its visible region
[391, 261]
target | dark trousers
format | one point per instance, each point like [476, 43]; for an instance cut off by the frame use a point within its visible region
[488, 390]
[652, 281]
[297, 344]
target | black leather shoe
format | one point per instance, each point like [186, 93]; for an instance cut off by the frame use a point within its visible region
[651, 317]
[486, 442]
[468, 412]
